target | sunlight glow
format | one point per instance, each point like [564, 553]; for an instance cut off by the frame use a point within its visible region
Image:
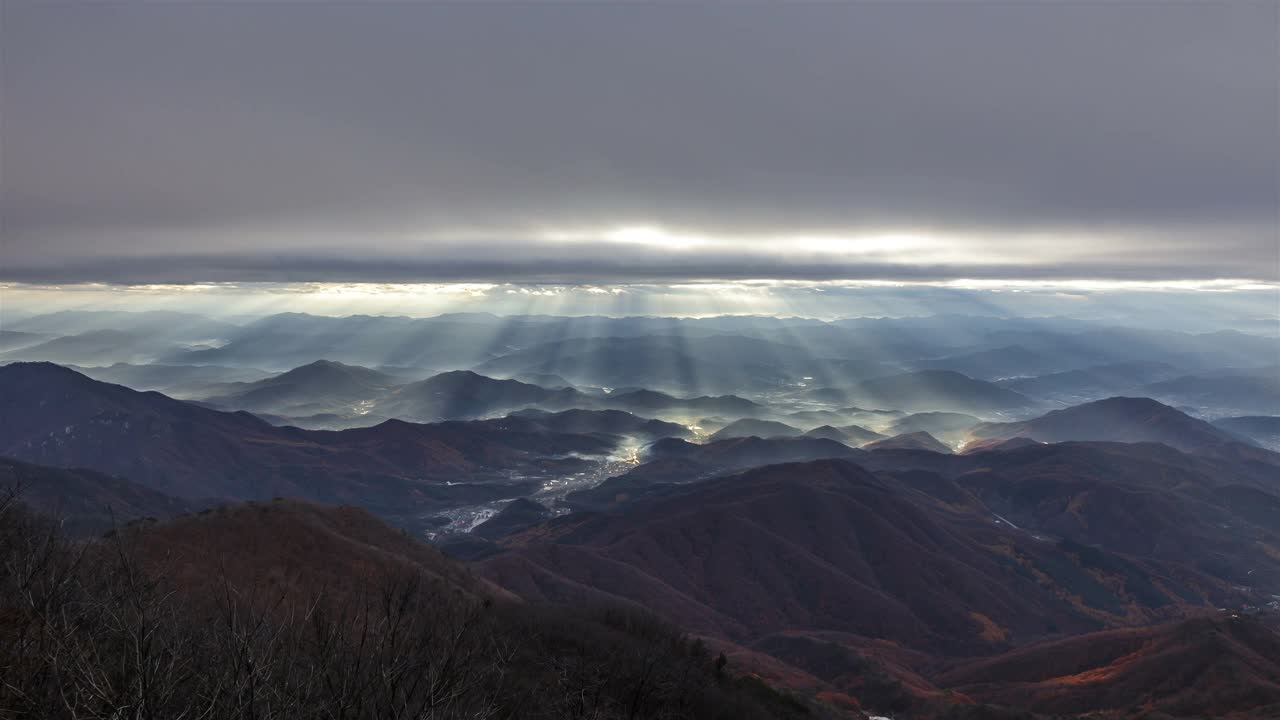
[654, 236]
[648, 235]
[874, 244]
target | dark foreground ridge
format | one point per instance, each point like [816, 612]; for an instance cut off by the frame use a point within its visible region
[287, 609]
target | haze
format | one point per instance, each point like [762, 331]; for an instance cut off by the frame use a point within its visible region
[845, 360]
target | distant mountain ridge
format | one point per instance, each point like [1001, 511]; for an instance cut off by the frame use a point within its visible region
[55, 416]
[1264, 430]
[1106, 380]
[321, 386]
[1118, 419]
[748, 427]
[918, 440]
[1257, 391]
[925, 391]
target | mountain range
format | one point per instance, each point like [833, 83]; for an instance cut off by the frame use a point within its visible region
[945, 518]
[55, 416]
[1119, 419]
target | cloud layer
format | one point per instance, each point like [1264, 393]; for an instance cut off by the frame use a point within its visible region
[564, 142]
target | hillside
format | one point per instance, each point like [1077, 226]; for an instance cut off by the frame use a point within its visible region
[1143, 500]
[1262, 429]
[1117, 419]
[465, 394]
[302, 547]
[650, 401]
[790, 546]
[615, 422]
[681, 364]
[858, 435]
[1094, 381]
[948, 427]
[102, 346]
[827, 432]
[995, 363]
[749, 427]
[1247, 391]
[321, 386]
[253, 608]
[180, 381]
[86, 502]
[936, 390]
[919, 440]
[58, 417]
[15, 340]
[1218, 666]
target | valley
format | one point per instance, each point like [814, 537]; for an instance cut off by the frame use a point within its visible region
[841, 529]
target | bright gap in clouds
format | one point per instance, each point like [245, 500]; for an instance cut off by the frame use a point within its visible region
[886, 244]
[1187, 305]
[891, 245]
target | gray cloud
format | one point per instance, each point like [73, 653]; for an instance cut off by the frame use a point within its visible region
[148, 142]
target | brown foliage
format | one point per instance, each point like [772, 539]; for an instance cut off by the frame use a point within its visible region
[117, 629]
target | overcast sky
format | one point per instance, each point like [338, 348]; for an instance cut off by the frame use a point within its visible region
[609, 143]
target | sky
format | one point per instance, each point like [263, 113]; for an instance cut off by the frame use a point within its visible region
[618, 146]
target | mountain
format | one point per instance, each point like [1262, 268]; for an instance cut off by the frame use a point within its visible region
[316, 547]
[1248, 392]
[668, 464]
[178, 326]
[1120, 345]
[934, 422]
[1262, 429]
[1145, 500]
[813, 418]
[324, 421]
[1216, 666]
[1095, 381]
[1093, 534]
[919, 440]
[287, 340]
[747, 451]
[514, 516]
[872, 418]
[14, 340]
[105, 337]
[797, 546]
[996, 445]
[465, 394]
[830, 395]
[650, 401]
[321, 386]
[856, 435]
[449, 341]
[94, 346]
[1220, 517]
[181, 381]
[613, 422]
[996, 363]
[677, 363]
[292, 605]
[936, 390]
[86, 502]
[55, 416]
[829, 433]
[554, 382]
[949, 427]
[1118, 419]
[748, 427]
